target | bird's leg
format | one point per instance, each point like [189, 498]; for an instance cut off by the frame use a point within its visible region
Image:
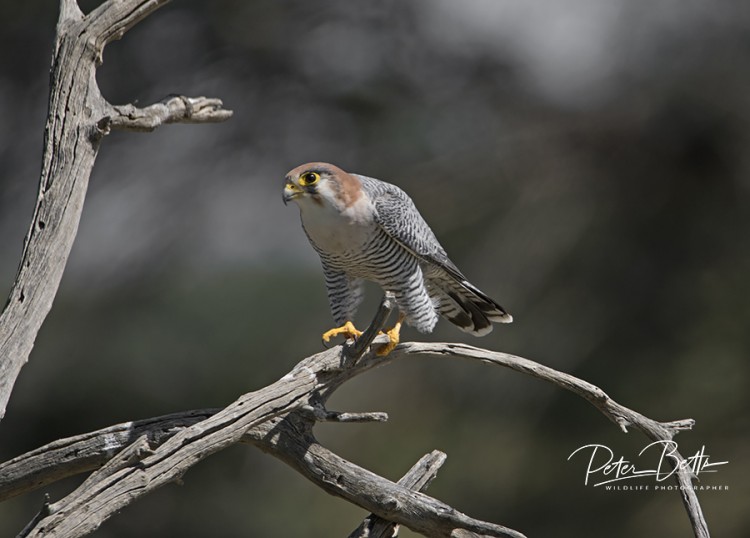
[394, 336]
[347, 329]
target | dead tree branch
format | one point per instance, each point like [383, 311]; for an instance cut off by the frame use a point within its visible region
[418, 478]
[617, 413]
[77, 120]
[83, 453]
[291, 440]
[279, 420]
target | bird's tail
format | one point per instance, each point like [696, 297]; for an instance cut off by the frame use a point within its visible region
[467, 307]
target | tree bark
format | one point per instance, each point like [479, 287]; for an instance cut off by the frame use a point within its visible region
[279, 420]
[78, 118]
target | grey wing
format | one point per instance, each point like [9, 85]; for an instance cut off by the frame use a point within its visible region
[457, 299]
[344, 294]
[397, 215]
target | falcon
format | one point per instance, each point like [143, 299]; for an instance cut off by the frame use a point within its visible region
[366, 229]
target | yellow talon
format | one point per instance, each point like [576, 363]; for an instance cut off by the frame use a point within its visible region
[394, 336]
[347, 329]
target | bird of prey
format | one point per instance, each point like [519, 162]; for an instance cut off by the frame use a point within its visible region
[367, 229]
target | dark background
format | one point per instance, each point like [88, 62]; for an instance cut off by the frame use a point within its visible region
[586, 163]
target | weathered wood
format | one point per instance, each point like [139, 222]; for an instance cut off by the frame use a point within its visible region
[173, 109]
[283, 428]
[109, 490]
[82, 453]
[78, 118]
[277, 419]
[617, 413]
[418, 478]
[291, 440]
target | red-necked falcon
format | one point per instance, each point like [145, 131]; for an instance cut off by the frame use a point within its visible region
[367, 229]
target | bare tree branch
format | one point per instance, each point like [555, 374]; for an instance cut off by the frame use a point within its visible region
[173, 109]
[82, 453]
[321, 414]
[291, 440]
[78, 118]
[69, 11]
[617, 413]
[418, 478]
[279, 420]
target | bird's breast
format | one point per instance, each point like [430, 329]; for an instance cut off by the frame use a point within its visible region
[337, 233]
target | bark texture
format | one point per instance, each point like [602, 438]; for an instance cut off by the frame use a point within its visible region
[138, 457]
[78, 118]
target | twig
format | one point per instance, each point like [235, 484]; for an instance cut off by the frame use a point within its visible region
[173, 109]
[43, 512]
[321, 414]
[418, 478]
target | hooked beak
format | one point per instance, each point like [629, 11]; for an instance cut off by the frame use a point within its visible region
[291, 191]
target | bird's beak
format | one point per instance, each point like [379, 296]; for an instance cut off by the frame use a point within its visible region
[291, 191]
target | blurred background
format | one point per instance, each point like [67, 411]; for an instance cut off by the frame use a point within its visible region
[586, 163]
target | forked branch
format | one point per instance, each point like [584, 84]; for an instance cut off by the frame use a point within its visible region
[418, 478]
[279, 420]
[78, 118]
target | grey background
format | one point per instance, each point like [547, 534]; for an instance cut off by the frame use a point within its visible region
[583, 162]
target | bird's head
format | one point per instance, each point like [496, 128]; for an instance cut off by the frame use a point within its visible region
[321, 184]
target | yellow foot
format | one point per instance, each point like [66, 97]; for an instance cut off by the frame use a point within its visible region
[347, 329]
[394, 336]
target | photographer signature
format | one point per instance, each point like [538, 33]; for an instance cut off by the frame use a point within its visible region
[604, 467]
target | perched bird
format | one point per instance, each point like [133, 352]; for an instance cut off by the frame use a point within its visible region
[367, 229]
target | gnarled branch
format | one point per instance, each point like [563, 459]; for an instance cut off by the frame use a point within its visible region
[173, 109]
[77, 119]
[279, 420]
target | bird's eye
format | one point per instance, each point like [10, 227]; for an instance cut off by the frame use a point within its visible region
[308, 178]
